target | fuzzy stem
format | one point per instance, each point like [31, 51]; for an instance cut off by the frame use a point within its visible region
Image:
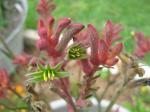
[66, 90]
[86, 86]
[99, 99]
[109, 84]
[116, 96]
[65, 97]
[68, 96]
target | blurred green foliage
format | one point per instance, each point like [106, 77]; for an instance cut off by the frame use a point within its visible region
[144, 94]
[140, 101]
[136, 106]
[11, 106]
[32, 18]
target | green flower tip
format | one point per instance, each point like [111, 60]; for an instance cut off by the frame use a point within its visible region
[45, 73]
[77, 52]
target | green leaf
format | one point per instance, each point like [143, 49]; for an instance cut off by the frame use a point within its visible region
[40, 67]
[58, 67]
[62, 74]
[35, 76]
[104, 73]
[34, 73]
[46, 73]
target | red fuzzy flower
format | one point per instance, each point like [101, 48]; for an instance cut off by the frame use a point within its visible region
[102, 51]
[4, 81]
[50, 38]
[111, 32]
[142, 44]
[45, 7]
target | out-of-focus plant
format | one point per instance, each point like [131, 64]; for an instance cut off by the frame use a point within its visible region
[142, 46]
[137, 105]
[140, 101]
[144, 94]
[92, 51]
[9, 93]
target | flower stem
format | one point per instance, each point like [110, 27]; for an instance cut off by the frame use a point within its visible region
[116, 96]
[102, 96]
[109, 84]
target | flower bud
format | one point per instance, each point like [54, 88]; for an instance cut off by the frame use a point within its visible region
[94, 38]
[62, 24]
[77, 52]
[71, 31]
[22, 59]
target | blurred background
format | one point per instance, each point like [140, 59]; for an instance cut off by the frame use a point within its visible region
[134, 15]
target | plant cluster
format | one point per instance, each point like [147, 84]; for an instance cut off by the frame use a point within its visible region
[91, 50]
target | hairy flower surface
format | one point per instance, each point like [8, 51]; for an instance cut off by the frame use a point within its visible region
[102, 51]
[83, 38]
